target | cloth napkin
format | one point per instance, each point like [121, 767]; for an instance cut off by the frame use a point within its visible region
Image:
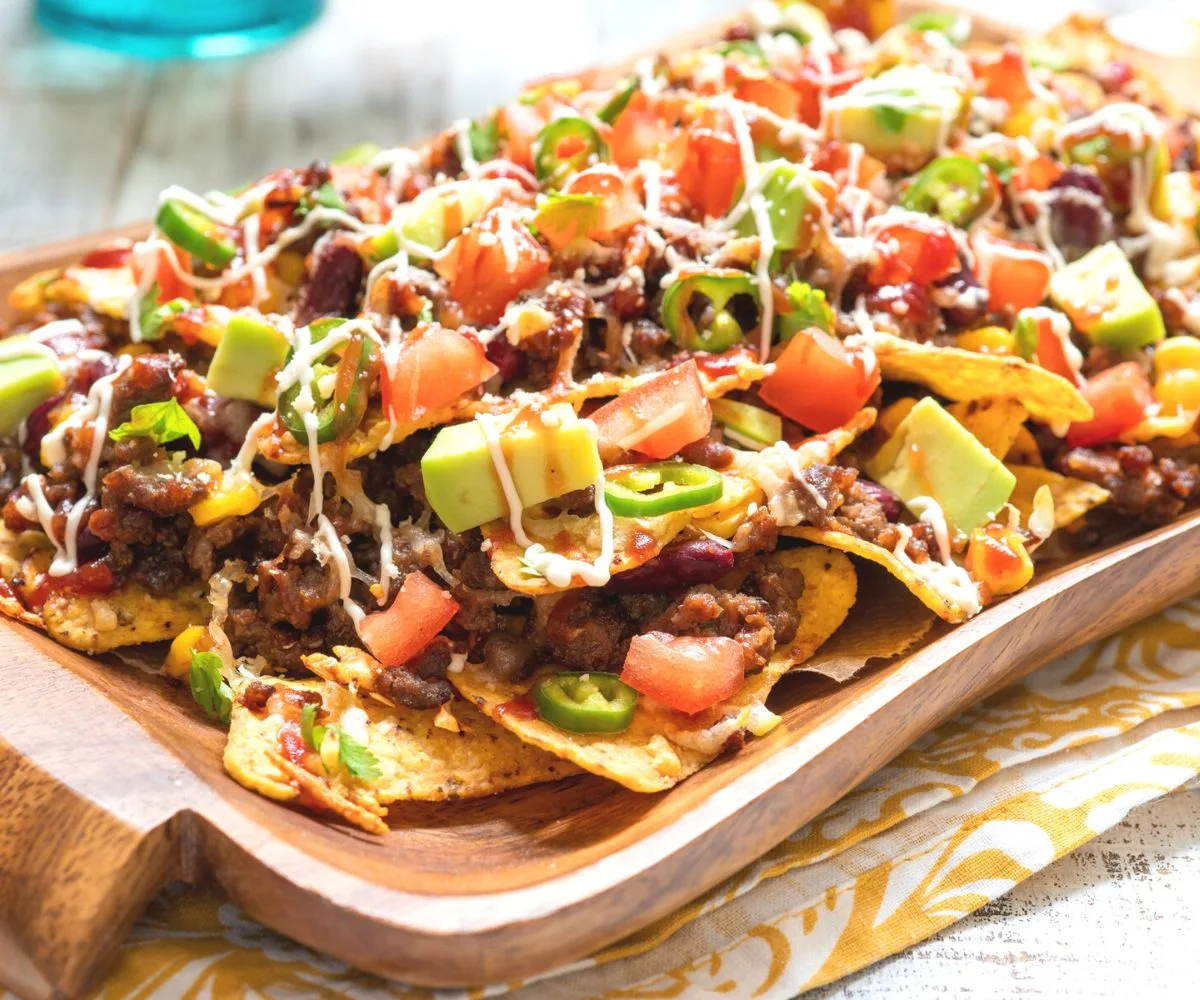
[955, 821]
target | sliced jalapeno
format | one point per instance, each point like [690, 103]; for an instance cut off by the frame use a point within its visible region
[662, 487]
[616, 104]
[752, 50]
[194, 232]
[586, 703]
[701, 313]
[564, 146]
[954, 188]
[955, 26]
[342, 412]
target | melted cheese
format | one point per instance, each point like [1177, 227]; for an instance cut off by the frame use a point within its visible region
[334, 551]
[949, 581]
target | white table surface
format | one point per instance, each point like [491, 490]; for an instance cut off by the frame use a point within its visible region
[88, 139]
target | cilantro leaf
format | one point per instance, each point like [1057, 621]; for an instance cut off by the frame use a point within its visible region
[167, 421]
[357, 759]
[328, 196]
[209, 687]
[152, 317]
[484, 138]
[313, 734]
[890, 118]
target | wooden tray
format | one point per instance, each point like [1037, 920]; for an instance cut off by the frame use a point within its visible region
[110, 786]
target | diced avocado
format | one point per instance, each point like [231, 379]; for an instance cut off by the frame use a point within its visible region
[741, 420]
[903, 116]
[29, 376]
[1106, 300]
[932, 455]
[793, 195]
[251, 351]
[358, 155]
[548, 454]
[434, 217]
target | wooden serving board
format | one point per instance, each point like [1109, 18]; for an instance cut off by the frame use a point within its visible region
[111, 786]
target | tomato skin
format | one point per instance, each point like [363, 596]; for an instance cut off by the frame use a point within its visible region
[419, 612]
[1018, 274]
[489, 264]
[435, 367]
[519, 125]
[108, 256]
[153, 260]
[619, 207]
[910, 251]
[1119, 396]
[771, 93]
[684, 672]
[639, 133]
[1004, 76]
[818, 382]
[679, 391]
[712, 170]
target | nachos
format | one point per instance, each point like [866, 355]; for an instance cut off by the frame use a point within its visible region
[551, 445]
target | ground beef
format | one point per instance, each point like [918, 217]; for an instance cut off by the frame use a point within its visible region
[255, 696]
[587, 631]
[281, 645]
[420, 683]
[223, 423]
[162, 489]
[649, 342]
[333, 283]
[822, 492]
[149, 378]
[10, 470]
[1152, 490]
[506, 656]
[291, 591]
[748, 619]
[758, 533]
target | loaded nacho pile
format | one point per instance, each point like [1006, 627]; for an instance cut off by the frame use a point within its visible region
[546, 446]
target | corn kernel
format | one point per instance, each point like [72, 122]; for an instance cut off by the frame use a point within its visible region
[133, 350]
[987, 340]
[1177, 352]
[330, 746]
[289, 265]
[1178, 390]
[179, 656]
[237, 500]
[997, 558]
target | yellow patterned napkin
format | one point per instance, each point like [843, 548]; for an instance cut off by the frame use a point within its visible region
[953, 822]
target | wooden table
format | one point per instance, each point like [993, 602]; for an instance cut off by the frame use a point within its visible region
[88, 139]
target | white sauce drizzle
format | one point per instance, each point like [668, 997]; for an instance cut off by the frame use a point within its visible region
[335, 552]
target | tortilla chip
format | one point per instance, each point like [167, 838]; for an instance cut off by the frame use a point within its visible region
[882, 625]
[279, 445]
[420, 756]
[15, 547]
[97, 623]
[661, 747]
[944, 607]
[994, 422]
[964, 375]
[1072, 497]
[1025, 450]
[636, 540]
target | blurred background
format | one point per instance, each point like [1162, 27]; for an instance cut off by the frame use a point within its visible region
[89, 137]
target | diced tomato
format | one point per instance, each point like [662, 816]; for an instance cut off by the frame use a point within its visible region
[1119, 396]
[419, 612]
[818, 79]
[1050, 352]
[685, 672]
[436, 366]
[152, 259]
[1004, 75]
[110, 255]
[997, 557]
[659, 416]
[857, 168]
[820, 383]
[619, 206]
[639, 133]
[490, 264]
[712, 172]
[1017, 274]
[921, 252]
[519, 124]
[771, 93]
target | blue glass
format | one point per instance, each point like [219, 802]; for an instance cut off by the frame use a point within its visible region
[164, 29]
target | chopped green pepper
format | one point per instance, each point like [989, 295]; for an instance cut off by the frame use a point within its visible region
[194, 232]
[954, 188]
[662, 487]
[339, 414]
[807, 307]
[751, 425]
[586, 703]
[327, 196]
[696, 309]
[581, 139]
[616, 104]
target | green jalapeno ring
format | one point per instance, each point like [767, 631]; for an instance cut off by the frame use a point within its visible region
[617, 103]
[723, 330]
[194, 232]
[752, 50]
[548, 165]
[662, 487]
[954, 188]
[338, 416]
[585, 702]
[955, 26]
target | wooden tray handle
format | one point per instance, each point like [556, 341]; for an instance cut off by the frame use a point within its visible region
[74, 879]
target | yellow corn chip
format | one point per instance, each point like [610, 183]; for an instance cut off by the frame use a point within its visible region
[662, 747]
[994, 422]
[1072, 497]
[97, 623]
[1024, 450]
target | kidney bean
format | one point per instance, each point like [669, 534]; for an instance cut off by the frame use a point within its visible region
[684, 564]
[1079, 217]
[506, 357]
[331, 288]
[888, 502]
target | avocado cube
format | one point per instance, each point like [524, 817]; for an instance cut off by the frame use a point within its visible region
[932, 455]
[793, 194]
[548, 453]
[903, 116]
[244, 364]
[434, 218]
[1106, 300]
[29, 376]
